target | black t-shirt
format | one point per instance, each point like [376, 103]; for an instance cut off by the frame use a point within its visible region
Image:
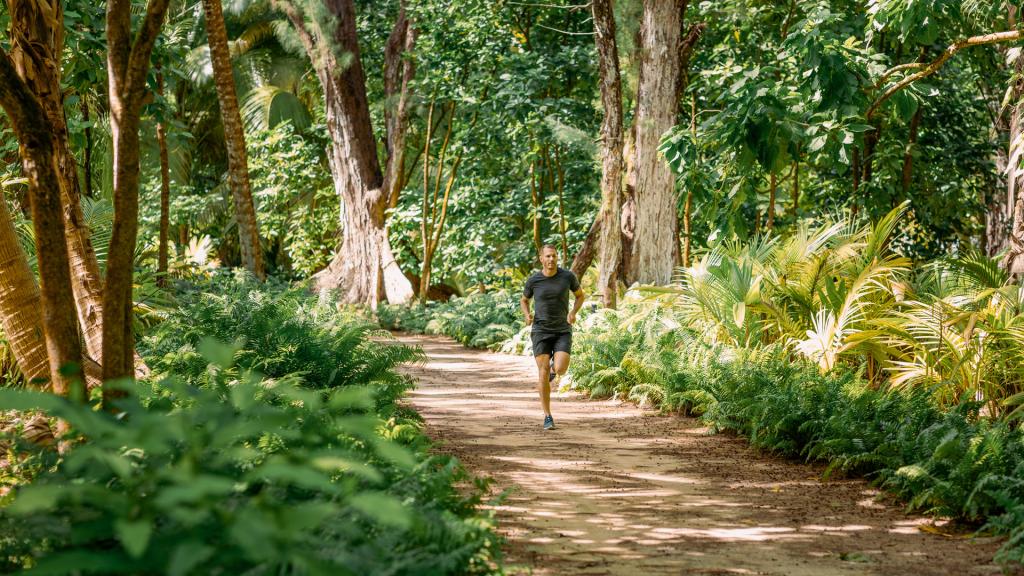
[551, 300]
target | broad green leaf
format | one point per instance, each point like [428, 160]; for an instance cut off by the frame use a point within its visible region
[134, 535]
[36, 498]
[187, 556]
[382, 508]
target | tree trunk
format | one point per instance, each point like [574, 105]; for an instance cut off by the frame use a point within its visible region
[36, 50]
[127, 68]
[20, 314]
[588, 250]
[399, 69]
[654, 250]
[871, 138]
[234, 139]
[908, 153]
[39, 162]
[607, 221]
[795, 196]
[364, 264]
[1014, 261]
[561, 206]
[772, 185]
[165, 192]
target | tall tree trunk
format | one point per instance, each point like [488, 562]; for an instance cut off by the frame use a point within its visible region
[364, 264]
[588, 250]
[772, 185]
[36, 50]
[1014, 203]
[610, 249]
[165, 192]
[871, 138]
[561, 206]
[39, 162]
[1014, 261]
[127, 69]
[908, 154]
[654, 250]
[434, 216]
[20, 314]
[795, 195]
[234, 139]
[399, 69]
[687, 228]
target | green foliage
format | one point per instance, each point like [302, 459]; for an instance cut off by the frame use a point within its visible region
[280, 453]
[953, 464]
[479, 320]
[296, 205]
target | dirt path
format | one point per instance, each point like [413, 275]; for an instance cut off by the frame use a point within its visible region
[618, 490]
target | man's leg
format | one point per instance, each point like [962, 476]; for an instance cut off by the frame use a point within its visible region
[562, 350]
[561, 363]
[543, 384]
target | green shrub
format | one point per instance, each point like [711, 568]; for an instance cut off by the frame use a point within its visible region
[231, 464]
[477, 320]
[952, 463]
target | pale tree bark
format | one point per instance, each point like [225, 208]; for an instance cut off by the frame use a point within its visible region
[36, 46]
[364, 266]
[1014, 261]
[653, 250]
[39, 162]
[399, 69]
[20, 314]
[234, 139]
[127, 68]
[610, 248]
[165, 191]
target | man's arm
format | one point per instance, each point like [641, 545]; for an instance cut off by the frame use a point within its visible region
[576, 305]
[524, 304]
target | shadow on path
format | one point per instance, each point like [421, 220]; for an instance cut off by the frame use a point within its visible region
[619, 490]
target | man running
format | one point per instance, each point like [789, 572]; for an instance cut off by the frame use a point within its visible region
[552, 322]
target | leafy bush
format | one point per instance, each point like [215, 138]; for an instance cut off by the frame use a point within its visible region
[280, 453]
[952, 463]
[479, 320]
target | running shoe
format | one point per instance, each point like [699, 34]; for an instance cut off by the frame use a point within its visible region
[549, 422]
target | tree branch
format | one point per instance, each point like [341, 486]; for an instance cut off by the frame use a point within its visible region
[142, 47]
[933, 67]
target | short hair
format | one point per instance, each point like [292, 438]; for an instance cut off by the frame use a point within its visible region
[549, 247]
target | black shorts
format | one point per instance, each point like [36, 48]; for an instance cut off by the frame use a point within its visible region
[550, 343]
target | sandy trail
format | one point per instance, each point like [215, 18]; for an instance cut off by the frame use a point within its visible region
[619, 490]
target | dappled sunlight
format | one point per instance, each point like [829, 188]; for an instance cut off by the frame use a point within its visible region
[613, 486]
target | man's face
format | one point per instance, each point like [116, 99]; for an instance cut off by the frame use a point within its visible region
[549, 258]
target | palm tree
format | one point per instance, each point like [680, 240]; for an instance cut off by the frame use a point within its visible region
[20, 313]
[234, 138]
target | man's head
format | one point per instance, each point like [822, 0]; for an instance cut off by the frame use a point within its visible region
[549, 257]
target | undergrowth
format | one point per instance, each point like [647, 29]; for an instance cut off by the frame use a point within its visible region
[477, 320]
[951, 463]
[281, 451]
